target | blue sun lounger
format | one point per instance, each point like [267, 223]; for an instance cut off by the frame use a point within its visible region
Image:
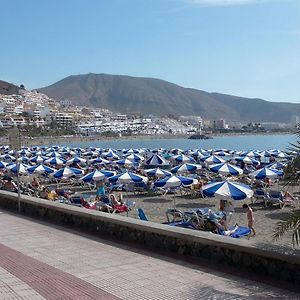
[240, 232]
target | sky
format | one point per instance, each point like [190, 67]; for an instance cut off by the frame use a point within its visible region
[247, 48]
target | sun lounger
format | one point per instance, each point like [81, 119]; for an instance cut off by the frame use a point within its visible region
[141, 214]
[240, 232]
[274, 198]
[259, 194]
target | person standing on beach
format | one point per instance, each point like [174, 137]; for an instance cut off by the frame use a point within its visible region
[250, 217]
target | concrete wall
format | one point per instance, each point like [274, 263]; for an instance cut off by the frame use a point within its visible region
[266, 259]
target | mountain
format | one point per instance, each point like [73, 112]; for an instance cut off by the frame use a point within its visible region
[126, 94]
[8, 88]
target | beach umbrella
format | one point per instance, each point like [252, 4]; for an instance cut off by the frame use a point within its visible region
[265, 153]
[110, 155]
[176, 151]
[276, 165]
[247, 160]
[222, 153]
[97, 175]
[7, 157]
[226, 169]
[213, 159]
[98, 160]
[40, 169]
[124, 162]
[128, 177]
[53, 154]
[174, 181]
[24, 152]
[156, 161]
[266, 173]
[182, 158]
[186, 168]
[76, 160]
[135, 157]
[227, 190]
[18, 168]
[55, 161]
[3, 164]
[38, 159]
[67, 172]
[157, 172]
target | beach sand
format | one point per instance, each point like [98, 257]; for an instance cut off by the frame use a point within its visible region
[266, 219]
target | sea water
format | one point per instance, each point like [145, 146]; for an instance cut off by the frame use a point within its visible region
[234, 142]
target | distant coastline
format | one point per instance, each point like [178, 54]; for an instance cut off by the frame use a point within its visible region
[52, 140]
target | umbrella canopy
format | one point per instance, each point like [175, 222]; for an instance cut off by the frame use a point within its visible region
[38, 159]
[128, 177]
[157, 172]
[8, 157]
[156, 161]
[97, 175]
[186, 168]
[3, 164]
[213, 159]
[124, 162]
[276, 165]
[110, 155]
[228, 190]
[99, 160]
[67, 172]
[182, 158]
[174, 181]
[247, 160]
[226, 169]
[266, 173]
[18, 168]
[40, 169]
[135, 157]
[55, 161]
[76, 160]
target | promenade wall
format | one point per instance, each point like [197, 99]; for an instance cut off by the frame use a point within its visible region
[278, 262]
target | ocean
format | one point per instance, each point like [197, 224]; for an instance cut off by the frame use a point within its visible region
[235, 142]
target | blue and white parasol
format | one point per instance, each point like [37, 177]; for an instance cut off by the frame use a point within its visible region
[128, 177]
[97, 175]
[174, 181]
[266, 173]
[157, 172]
[156, 161]
[186, 168]
[213, 159]
[55, 161]
[40, 169]
[67, 172]
[18, 168]
[226, 169]
[76, 160]
[228, 190]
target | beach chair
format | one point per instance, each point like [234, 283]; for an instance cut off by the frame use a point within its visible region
[239, 233]
[259, 194]
[274, 198]
[142, 215]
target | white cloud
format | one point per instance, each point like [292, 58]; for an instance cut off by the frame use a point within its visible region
[225, 2]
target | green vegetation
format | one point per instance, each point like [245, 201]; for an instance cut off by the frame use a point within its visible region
[291, 224]
[51, 130]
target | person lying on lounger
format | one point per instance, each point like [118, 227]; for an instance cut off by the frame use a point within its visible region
[223, 227]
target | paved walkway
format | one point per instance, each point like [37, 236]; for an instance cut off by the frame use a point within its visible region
[42, 261]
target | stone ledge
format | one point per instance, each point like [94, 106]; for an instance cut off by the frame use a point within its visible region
[281, 262]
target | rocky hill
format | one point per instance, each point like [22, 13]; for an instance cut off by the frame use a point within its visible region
[8, 88]
[128, 94]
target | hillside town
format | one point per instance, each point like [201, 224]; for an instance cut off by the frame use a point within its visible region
[36, 110]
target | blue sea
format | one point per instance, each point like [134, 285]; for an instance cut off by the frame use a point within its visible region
[237, 142]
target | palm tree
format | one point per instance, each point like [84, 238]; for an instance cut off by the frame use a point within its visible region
[291, 224]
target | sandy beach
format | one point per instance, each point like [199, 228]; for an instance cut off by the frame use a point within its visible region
[265, 218]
